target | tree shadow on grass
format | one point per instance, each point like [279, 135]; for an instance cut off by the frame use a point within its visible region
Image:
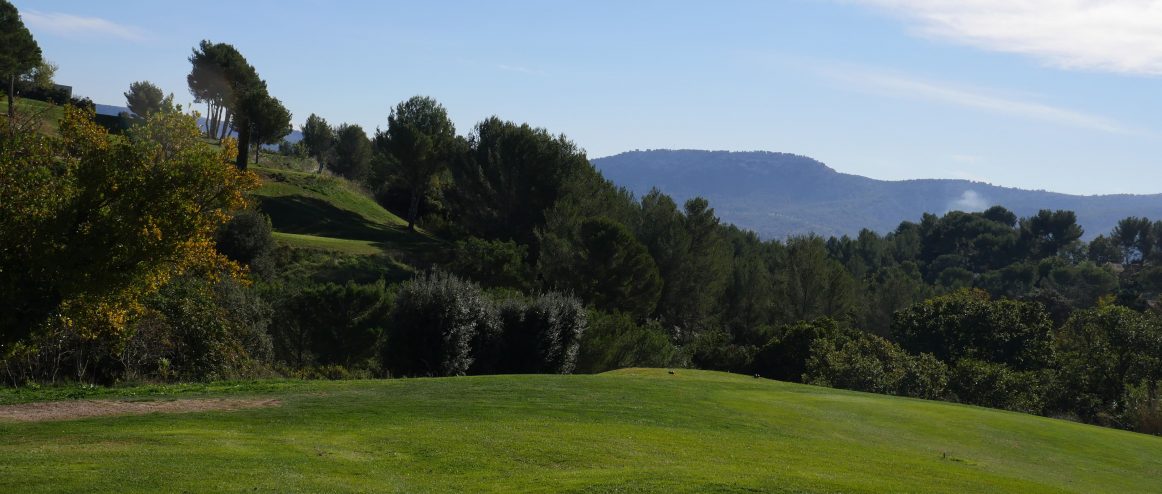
[310, 216]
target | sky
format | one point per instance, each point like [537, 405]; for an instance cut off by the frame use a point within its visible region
[1059, 95]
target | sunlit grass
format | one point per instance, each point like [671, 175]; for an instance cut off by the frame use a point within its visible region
[628, 431]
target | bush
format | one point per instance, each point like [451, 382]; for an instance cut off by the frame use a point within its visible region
[542, 335]
[330, 324]
[493, 263]
[716, 350]
[873, 364]
[247, 239]
[434, 324]
[785, 356]
[995, 385]
[614, 341]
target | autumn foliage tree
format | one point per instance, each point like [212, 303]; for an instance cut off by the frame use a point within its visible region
[91, 224]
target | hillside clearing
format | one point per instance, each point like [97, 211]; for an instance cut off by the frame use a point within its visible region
[640, 430]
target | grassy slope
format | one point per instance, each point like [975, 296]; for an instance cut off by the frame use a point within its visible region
[629, 431]
[50, 113]
[327, 213]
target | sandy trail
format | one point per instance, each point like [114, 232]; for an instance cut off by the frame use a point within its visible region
[79, 409]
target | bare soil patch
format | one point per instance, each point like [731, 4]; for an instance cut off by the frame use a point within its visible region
[79, 409]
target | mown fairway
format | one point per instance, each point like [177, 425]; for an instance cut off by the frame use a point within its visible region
[628, 431]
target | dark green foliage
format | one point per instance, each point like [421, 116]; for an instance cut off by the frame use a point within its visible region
[613, 271]
[420, 141]
[1049, 233]
[195, 330]
[810, 285]
[144, 98]
[434, 323]
[246, 238]
[871, 363]
[716, 349]
[331, 324]
[1104, 353]
[1103, 250]
[966, 324]
[995, 385]
[19, 52]
[541, 335]
[270, 121]
[509, 177]
[351, 154]
[318, 139]
[615, 341]
[785, 356]
[493, 263]
[1135, 238]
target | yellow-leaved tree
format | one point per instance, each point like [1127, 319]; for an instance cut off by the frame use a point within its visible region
[90, 223]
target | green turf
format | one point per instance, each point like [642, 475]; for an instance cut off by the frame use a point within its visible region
[49, 113]
[326, 212]
[629, 431]
[360, 247]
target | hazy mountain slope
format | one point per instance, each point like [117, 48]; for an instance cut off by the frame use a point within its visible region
[779, 194]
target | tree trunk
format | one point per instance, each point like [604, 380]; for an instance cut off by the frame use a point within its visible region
[413, 210]
[257, 149]
[225, 124]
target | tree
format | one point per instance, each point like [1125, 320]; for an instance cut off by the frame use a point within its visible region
[1134, 236]
[319, 139]
[19, 52]
[966, 324]
[222, 78]
[419, 138]
[510, 176]
[614, 271]
[809, 285]
[1049, 232]
[352, 152]
[435, 321]
[91, 224]
[270, 121]
[144, 98]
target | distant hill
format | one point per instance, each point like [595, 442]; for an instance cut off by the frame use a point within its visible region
[780, 194]
[294, 136]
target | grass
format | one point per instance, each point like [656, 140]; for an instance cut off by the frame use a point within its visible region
[324, 212]
[49, 113]
[343, 245]
[627, 431]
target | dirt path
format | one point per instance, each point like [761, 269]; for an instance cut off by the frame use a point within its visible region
[79, 409]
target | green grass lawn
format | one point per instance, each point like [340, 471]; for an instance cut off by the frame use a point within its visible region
[627, 431]
[325, 212]
[50, 114]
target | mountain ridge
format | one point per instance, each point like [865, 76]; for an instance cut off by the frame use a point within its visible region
[779, 194]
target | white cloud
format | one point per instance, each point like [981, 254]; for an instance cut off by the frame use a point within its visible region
[909, 88]
[1123, 36]
[79, 26]
[969, 201]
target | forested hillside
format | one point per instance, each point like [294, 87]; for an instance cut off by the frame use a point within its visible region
[780, 194]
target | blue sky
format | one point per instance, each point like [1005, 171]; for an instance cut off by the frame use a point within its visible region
[1061, 95]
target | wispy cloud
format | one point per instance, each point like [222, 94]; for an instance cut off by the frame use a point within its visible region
[79, 26]
[940, 92]
[1122, 36]
[520, 69]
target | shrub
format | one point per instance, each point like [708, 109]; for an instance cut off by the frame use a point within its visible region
[785, 356]
[541, 335]
[331, 324]
[873, 364]
[492, 262]
[995, 385]
[434, 323]
[615, 341]
[246, 239]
